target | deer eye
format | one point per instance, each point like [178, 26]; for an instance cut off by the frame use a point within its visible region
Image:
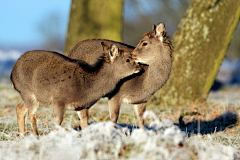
[145, 44]
[128, 60]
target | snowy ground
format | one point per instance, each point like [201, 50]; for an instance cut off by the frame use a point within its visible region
[165, 137]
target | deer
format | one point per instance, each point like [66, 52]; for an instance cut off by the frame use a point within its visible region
[51, 78]
[153, 53]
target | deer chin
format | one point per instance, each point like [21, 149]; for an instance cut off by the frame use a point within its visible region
[141, 62]
[137, 71]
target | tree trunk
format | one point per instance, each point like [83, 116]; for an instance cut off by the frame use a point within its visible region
[94, 19]
[200, 44]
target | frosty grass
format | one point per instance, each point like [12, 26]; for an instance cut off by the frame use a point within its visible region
[162, 140]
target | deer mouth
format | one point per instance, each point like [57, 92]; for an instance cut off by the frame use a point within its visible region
[138, 69]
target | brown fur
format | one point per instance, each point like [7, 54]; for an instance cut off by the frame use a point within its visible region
[51, 78]
[137, 89]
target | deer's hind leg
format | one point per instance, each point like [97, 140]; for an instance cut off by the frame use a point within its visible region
[58, 112]
[32, 105]
[83, 116]
[32, 117]
[21, 110]
[139, 110]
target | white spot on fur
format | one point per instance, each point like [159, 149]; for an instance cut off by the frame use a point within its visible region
[34, 98]
[70, 107]
[126, 100]
[136, 71]
[161, 39]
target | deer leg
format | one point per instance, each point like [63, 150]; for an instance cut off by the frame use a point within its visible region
[31, 104]
[114, 107]
[32, 117]
[83, 116]
[21, 110]
[139, 110]
[58, 111]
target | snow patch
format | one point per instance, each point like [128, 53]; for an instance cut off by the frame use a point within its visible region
[161, 140]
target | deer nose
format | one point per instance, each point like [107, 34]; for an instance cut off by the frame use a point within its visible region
[138, 65]
[139, 68]
[133, 54]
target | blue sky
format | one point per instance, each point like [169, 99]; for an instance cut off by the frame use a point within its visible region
[19, 20]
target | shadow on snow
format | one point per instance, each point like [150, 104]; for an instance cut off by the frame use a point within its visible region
[226, 120]
[194, 126]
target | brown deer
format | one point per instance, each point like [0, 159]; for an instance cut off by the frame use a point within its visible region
[51, 78]
[154, 52]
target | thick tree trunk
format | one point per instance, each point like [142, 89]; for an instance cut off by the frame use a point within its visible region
[94, 19]
[200, 44]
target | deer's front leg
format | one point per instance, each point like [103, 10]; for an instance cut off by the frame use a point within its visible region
[83, 116]
[139, 110]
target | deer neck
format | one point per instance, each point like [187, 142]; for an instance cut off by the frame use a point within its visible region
[102, 79]
[158, 73]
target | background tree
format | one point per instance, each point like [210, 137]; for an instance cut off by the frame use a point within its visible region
[94, 19]
[201, 40]
[49, 28]
[140, 15]
[200, 44]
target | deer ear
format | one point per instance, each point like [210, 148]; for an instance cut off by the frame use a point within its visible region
[113, 52]
[105, 47]
[160, 31]
[153, 27]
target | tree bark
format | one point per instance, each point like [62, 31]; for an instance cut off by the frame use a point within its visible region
[94, 19]
[200, 44]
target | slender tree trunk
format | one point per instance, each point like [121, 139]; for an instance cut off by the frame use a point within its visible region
[200, 44]
[94, 19]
